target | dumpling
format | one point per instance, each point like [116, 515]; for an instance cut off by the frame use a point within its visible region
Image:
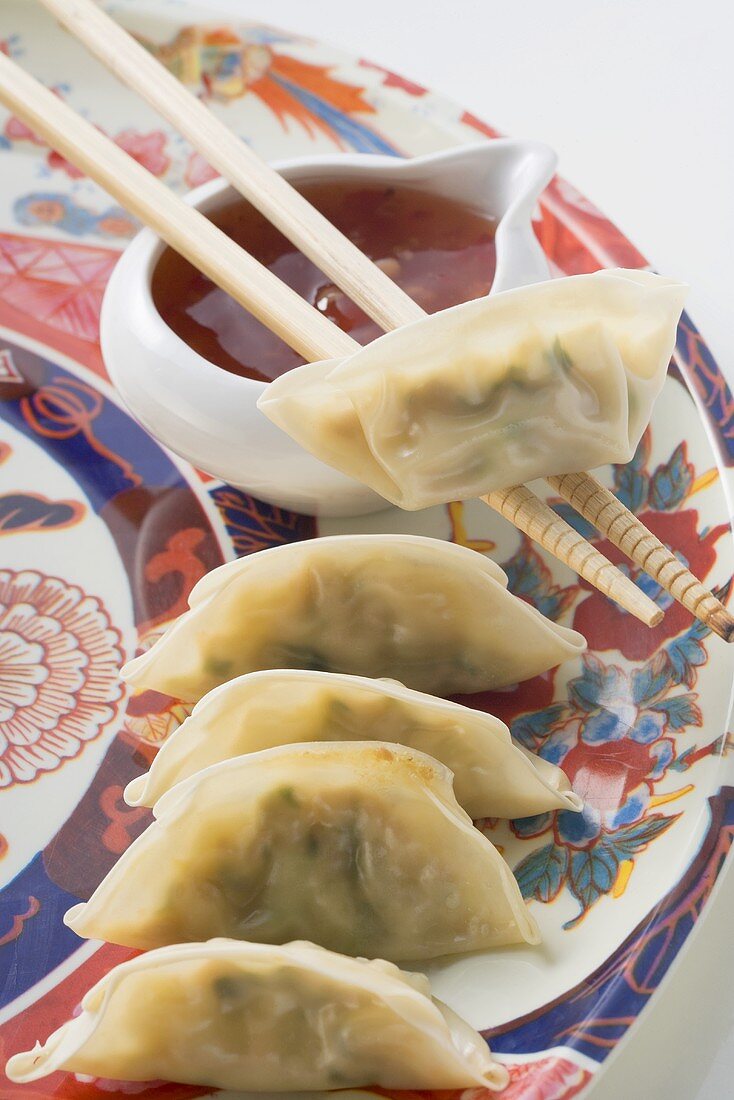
[358, 846]
[248, 1016]
[493, 777]
[546, 379]
[436, 616]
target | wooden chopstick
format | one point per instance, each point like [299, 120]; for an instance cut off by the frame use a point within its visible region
[622, 527]
[523, 509]
[355, 273]
[180, 225]
[229, 266]
[265, 188]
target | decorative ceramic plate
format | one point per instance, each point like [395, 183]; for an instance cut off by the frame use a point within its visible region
[103, 534]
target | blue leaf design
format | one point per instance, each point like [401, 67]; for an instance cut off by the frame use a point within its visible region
[680, 711]
[683, 762]
[599, 685]
[573, 519]
[529, 729]
[631, 481]
[651, 680]
[530, 577]
[631, 486]
[671, 482]
[686, 653]
[541, 874]
[632, 838]
[586, 688]
[592, 874]
[523, 571]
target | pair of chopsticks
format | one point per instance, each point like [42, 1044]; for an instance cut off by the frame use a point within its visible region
[288, 315]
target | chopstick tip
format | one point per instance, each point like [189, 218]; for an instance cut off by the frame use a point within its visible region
[656, 617]
[721, 622]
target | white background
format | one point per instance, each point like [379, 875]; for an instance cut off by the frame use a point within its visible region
[637, 96]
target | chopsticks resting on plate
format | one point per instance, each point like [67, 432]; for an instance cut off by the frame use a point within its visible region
[253, 286]
[623, 529]
[388, 305]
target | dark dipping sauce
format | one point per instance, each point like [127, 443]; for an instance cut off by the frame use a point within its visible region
[439, 251]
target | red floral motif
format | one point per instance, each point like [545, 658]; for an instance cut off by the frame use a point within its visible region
[198, 171]
[59, 660]
[394, 80]
[147, 149]
[531, 695]
[17, 130]
[544, 1079]
[615, 778]
[606, 626]
[606, 774]
[57, 161]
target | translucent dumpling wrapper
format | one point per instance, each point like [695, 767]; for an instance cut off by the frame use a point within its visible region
[360, 847]
[493, 777]
[433, 615]
[253, 1017]
[546, 379]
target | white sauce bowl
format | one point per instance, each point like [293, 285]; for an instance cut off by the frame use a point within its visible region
[209, 416]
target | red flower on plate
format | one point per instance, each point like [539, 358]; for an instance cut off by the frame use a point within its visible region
[59, 661]
[508, 703]
[147, 149]
[606, 626]
[198, 171]
[544, 1079]
[17, 130]
[56, 160]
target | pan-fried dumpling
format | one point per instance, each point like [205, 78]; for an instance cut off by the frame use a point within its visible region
[546, 379]
[493, 777]
[436, 616]
[358, 846]
[248, 1016]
